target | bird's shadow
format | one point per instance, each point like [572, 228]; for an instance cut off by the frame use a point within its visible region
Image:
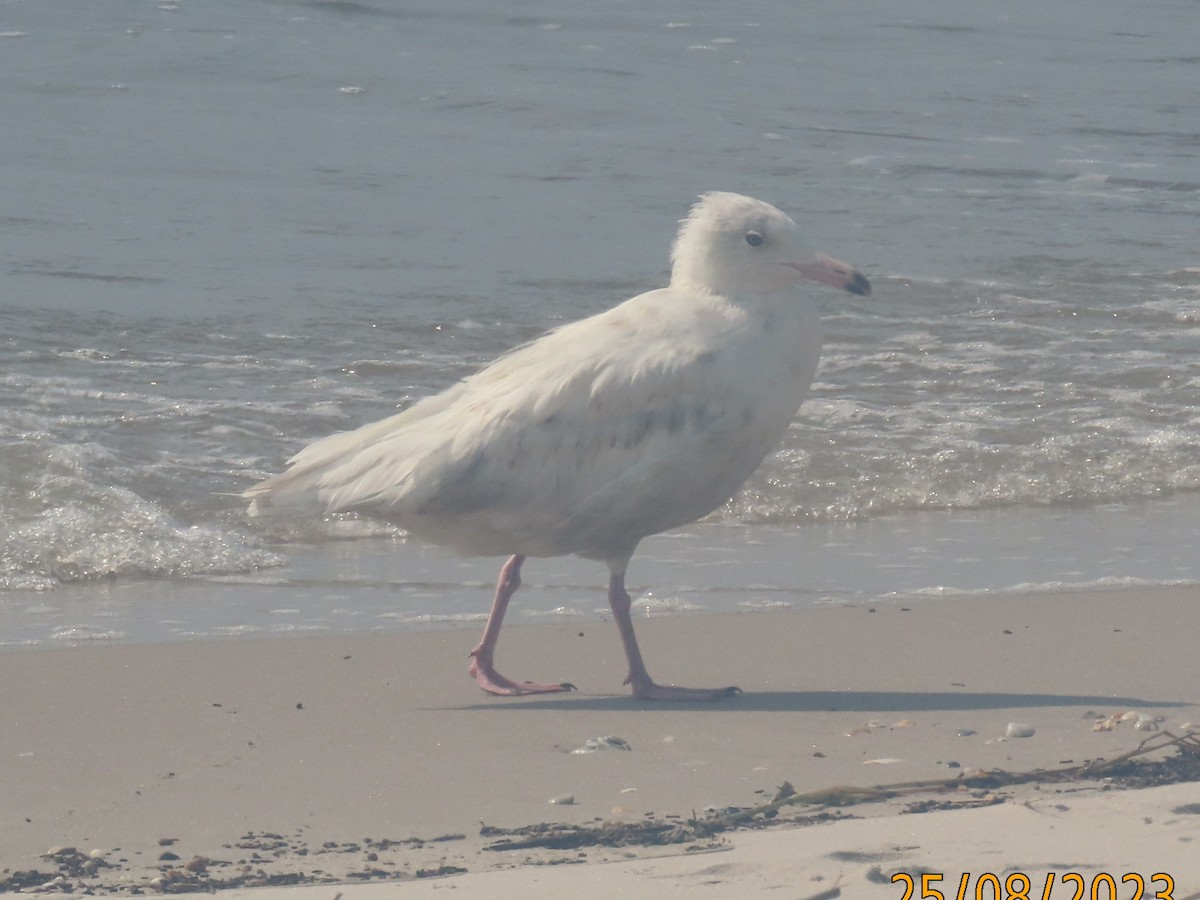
[823, 701]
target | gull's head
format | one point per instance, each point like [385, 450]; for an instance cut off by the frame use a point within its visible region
[735, 245]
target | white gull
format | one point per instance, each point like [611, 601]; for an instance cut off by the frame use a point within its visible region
[602, 432]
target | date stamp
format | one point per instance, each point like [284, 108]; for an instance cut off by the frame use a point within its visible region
[1019, 886]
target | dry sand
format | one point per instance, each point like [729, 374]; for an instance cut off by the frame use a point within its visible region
[348, 757]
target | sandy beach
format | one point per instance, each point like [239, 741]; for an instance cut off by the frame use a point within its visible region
[265, 765]
[233, 228]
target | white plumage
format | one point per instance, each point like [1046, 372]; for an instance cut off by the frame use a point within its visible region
[601, 432]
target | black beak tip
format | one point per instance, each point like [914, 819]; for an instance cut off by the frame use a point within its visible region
[859, 285]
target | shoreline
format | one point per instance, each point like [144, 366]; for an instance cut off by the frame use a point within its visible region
[336, 738]
[390, 585]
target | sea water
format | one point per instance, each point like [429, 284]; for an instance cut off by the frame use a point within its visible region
[229, 228]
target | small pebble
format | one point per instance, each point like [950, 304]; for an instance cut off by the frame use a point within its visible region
[592, 745]
[562, 800]
[1019, 730]
[964, 732]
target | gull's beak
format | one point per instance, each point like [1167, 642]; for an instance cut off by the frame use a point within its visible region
[827, 270]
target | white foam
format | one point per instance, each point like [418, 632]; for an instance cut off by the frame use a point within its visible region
[83, 634]
[1049, 587]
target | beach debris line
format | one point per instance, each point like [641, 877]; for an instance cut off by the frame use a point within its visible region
[1129, 770]
[267, 858]
[252, 862]
[556, 836]
[971, 788]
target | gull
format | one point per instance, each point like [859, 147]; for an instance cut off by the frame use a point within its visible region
[601, 432]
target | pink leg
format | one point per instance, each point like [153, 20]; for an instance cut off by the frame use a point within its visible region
[482, 666]
[639, 679]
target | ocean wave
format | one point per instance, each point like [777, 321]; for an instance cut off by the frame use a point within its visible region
[70, 529]
[121, 443]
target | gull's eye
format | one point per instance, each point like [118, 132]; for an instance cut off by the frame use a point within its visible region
[754, 239]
